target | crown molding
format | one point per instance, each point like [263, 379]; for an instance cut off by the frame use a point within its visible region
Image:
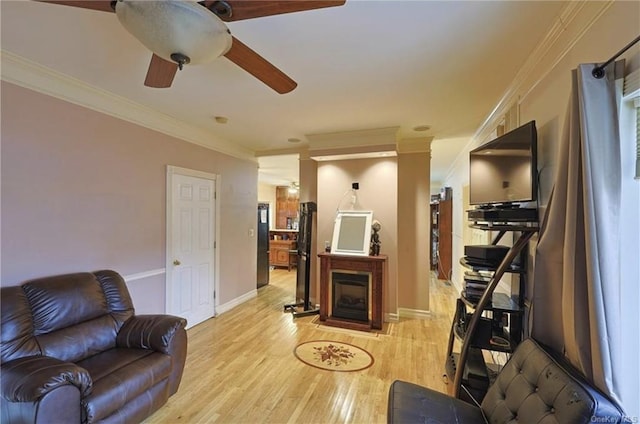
[280, 152]
[352, 139]
[28, 74]
[355, 152]
[571, 24]
[414, 145]
[325, 156]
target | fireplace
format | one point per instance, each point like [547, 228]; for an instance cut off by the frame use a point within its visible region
[350, 295]
[351, 291]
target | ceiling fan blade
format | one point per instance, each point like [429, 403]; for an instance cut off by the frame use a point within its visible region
[259, 67]
[102, 5]
[160, 73]
[247, 9]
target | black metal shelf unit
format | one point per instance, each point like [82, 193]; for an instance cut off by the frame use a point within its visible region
[491, 321]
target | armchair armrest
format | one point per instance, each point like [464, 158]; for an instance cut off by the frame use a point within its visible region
[29, 378]
[154, 332]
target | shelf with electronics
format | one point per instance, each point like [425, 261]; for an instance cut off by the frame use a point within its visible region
[490, 312]
[486, 319]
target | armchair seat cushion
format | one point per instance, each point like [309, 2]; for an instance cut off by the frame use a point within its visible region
[410, 403]
[120, 375]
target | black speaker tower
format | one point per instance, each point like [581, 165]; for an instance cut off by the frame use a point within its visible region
[303, 268]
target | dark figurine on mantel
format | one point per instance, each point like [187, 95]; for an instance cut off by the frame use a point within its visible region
[374, 246]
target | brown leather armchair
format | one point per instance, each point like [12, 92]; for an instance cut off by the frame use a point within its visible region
[72, 350]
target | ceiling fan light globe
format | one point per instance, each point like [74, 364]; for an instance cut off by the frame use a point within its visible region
[169, 27]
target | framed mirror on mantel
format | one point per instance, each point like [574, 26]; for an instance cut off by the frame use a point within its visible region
[352, 233]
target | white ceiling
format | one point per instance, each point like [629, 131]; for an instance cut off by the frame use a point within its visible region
[367, 64]
[278, 170]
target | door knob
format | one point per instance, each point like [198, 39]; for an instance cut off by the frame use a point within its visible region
[176, 262]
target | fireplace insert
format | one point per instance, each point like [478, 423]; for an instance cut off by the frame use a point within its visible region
[350, 296]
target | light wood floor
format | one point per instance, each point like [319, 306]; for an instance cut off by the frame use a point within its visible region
[241, 368]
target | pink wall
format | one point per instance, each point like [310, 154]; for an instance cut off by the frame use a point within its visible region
[84, 191]
[378, 192]
[413, 232]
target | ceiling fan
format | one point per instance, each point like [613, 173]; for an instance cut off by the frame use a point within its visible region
[187, 32]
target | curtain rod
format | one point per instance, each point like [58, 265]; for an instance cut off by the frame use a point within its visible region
[598, 71]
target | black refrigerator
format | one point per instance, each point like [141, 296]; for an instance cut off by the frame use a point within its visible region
[303, 277]
[263, 245]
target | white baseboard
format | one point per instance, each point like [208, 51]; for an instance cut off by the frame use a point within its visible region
[391, 317]
[413, 313]
[221, 309]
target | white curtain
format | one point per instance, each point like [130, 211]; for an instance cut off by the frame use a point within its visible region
[576, 289]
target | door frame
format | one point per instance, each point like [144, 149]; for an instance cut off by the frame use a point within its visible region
[216, 178]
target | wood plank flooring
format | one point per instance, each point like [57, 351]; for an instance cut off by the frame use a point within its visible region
[241, 368]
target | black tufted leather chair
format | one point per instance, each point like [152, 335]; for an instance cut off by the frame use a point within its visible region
[533, 387]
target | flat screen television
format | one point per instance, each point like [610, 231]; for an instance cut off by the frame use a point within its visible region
[504, 170]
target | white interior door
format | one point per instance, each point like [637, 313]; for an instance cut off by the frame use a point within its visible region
[191, 247]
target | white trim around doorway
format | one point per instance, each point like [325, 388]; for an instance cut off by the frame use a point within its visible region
[173, 170]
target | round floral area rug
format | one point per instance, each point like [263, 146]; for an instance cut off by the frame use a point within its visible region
[333, 356]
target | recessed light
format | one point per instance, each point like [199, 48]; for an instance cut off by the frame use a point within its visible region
[294, 140]
[422, 128]
[221, 119]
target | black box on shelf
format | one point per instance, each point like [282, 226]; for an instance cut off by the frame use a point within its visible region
[484, 276]
[483, 332]
[475, 284]
[472, 295]
[503, 214]
[486, 253]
